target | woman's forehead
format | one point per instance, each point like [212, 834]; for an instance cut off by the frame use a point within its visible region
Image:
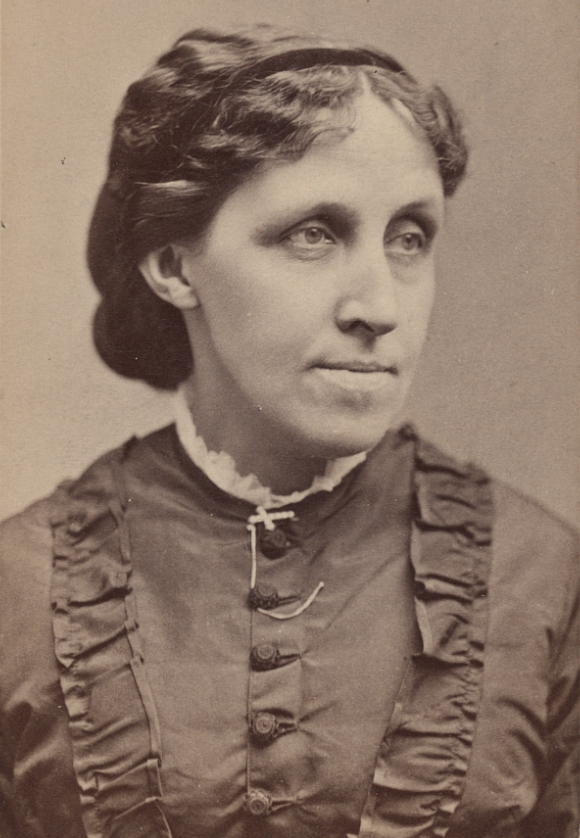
[384, 154]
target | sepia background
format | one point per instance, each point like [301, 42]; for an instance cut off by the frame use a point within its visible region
[499, 381]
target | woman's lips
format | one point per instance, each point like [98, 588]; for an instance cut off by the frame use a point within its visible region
[359, 376]
[359, 366]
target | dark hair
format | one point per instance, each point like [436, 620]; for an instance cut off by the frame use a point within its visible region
[190, 131]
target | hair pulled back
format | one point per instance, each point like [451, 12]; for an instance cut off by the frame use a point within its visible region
[187, 134]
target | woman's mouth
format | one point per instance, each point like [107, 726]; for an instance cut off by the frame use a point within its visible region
[361, 376]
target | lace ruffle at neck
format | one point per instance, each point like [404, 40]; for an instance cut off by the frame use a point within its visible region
[221, 469]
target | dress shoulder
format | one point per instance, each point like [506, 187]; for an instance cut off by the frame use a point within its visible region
[26, 562]
[528, 516]
[535, 556]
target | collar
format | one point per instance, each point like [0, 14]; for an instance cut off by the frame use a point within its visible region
[221, 469]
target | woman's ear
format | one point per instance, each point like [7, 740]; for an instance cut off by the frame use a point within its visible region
[164, 274]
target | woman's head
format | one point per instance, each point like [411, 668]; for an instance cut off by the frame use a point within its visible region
[214, 110]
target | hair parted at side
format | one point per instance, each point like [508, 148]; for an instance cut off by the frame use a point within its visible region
[208, 113]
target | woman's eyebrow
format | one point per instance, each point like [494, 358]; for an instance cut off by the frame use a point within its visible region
[342, 217]
[426, 208]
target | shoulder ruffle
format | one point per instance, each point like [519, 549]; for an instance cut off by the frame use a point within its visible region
[113, 722]
[422, 763]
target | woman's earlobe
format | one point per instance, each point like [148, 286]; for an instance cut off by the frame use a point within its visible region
[163, 271]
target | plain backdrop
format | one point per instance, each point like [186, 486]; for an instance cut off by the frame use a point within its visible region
[499, 381]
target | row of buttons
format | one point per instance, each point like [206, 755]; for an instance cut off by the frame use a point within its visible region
[264, 726]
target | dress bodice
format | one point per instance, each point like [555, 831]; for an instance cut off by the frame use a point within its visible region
[333, 675]
[263, 705]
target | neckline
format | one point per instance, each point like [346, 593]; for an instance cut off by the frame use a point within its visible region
[220, 468]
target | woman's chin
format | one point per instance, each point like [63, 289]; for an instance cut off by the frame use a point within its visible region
[348, 441]
[343, 429]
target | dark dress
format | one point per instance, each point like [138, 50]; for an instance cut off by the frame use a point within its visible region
[427, 689]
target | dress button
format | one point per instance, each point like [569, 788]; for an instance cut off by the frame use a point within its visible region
[264, 728]
[258, 802]
[273, 543]
[264, 596]
[264, 656]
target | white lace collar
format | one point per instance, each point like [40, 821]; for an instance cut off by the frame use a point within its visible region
[221, 468]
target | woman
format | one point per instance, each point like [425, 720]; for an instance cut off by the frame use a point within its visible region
[271, 618]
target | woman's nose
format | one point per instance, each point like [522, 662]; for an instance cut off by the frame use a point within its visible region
[369, 303]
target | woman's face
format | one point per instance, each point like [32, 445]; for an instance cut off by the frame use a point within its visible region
[314, 287]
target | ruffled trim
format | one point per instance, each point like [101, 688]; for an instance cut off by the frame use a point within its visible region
[221, 468]
[112, 719]
[422, 763]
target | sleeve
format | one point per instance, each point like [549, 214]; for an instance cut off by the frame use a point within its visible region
[24, 573]
[557, 812]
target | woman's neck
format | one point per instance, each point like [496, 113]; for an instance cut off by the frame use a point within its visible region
[253, 446]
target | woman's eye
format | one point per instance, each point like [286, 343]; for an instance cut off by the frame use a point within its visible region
[310, 237]
[412, 241]
[409, 243]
